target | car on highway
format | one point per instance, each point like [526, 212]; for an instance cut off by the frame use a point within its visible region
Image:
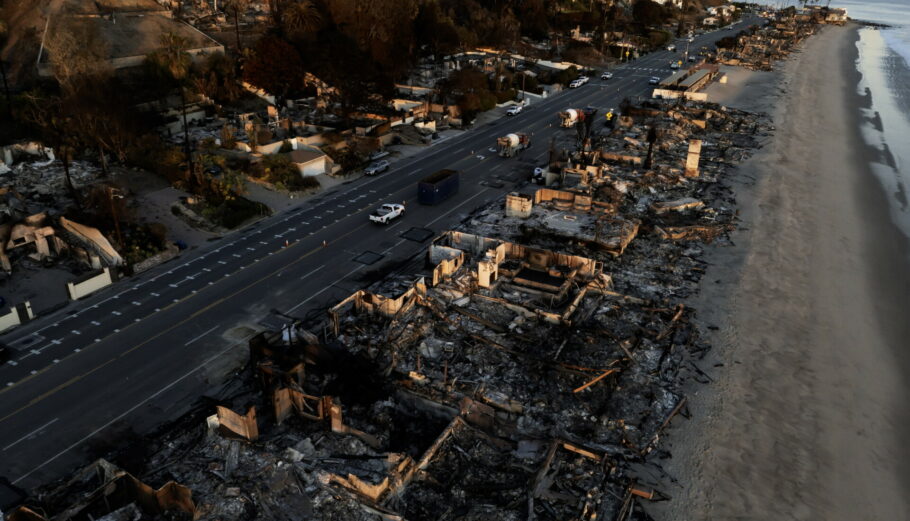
[387, 213]
[606, 75]
[653, 80]
[671, 47]
[376, 167]
[674, 65]
[514, 110]
[578, 82]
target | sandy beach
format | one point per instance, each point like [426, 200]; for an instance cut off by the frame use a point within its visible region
[807, 416]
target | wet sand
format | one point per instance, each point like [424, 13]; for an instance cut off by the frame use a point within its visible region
[807, 418]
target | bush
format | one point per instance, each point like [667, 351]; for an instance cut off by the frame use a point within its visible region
[531, 84]
[142, 242]
[281, 172]
[158, 231]
[234, 212]
[150, 153]
[565, 76]
[506, 95]
[487, 101]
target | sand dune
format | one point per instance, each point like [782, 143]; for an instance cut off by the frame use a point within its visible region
[808, 415]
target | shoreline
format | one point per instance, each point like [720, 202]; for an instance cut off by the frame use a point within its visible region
[805, 419]
[894, 253]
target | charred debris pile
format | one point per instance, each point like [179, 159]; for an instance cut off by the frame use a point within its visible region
[760, 48]
[528, 371]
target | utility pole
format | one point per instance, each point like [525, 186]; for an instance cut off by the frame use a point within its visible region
[9, 99]
[110, 196]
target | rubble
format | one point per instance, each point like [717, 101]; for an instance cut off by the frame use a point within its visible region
[525, 372]
[760, 48]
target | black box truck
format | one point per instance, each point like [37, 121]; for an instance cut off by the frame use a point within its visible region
[437, 187]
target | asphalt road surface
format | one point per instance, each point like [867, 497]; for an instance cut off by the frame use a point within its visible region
[135, 355]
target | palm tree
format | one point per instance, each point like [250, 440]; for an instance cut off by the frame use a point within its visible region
[172, 66]
[301, 18]
[236, 7]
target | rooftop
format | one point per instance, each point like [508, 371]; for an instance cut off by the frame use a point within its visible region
[130, 37]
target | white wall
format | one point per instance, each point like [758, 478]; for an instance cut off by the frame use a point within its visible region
[674, 94]
[87, 287]
[312, 168]
[9, 320]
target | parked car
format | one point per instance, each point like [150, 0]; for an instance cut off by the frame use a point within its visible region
[514, 110]
[583, 79]
[692, 58]
[674, 65]
[5, 354]
[606, 75]
[574, 84]
[386, 213]
[376, 167]
[671, 47]
[654, 80]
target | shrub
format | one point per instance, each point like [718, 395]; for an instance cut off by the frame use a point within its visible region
[281, 172]
[234, 212]
[487, 101]
[506, 95]
[565, 76]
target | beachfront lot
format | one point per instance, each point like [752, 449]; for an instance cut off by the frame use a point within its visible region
[807, 417]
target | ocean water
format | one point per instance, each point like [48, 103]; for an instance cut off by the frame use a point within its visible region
[884, 65]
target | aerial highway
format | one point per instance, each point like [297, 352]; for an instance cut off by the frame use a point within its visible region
[137, 354]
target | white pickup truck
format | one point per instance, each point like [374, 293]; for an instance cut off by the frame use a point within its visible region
[386, 213]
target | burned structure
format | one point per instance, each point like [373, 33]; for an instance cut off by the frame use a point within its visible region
[527, 370]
